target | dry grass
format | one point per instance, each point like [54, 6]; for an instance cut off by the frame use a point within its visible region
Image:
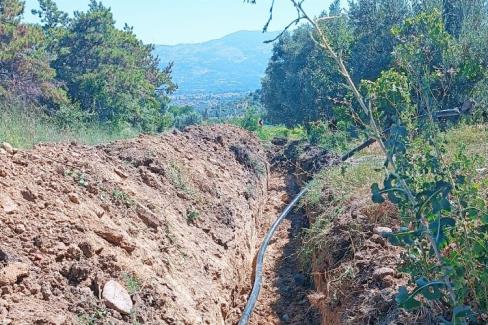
[24, 129]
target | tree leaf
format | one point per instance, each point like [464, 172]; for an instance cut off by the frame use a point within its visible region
[429, 289]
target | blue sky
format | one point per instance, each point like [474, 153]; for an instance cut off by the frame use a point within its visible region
[190, 21]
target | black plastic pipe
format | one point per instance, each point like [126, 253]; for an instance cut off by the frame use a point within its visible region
[258, 278]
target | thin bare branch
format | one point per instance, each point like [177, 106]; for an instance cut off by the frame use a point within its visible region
[294, 22]
[265, 28]
[328, 18]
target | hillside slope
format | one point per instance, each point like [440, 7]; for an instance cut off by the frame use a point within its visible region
[234, 63]
[171, 218]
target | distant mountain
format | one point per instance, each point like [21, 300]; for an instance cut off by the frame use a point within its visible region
[232, 64]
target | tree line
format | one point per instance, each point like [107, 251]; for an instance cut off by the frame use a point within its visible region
[81, 68]
[444, 39]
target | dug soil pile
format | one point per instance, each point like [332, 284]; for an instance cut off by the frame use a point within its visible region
[156, 230]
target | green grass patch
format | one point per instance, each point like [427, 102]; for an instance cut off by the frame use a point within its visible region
[132, 283]
[345, 180]
[474, 137]
[192, 215]
[24, 129]
[269, 132]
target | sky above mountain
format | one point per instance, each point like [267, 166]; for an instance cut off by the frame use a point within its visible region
[191, 21]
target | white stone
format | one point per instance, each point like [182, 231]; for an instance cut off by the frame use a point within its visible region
[117, 297]
[383, 272]
[382, 230]
[8, 205]
[8, 148]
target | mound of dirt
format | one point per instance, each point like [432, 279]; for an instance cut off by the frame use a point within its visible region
[356, 270]
[300, 159]
[156, 230]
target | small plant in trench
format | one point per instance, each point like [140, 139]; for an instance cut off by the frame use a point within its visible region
[132, 283]
[92, 319]
[177, 178]
[78, 176]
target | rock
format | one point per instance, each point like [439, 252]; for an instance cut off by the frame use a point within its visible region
[87, 249]
[8, 148]
[383, 272]
[388, 281]
[28, 195]
[382, 231]
[73, 253]
[74, 198]
[8, 205]
[117, 297]
[19, 228]
[120, 173]
[116, 239]
[148, 217]
[46, 292]
[2, 152]
[7, 256]
[13, 272]
[3, 173]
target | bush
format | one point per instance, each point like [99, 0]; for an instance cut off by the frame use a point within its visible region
[320, 134]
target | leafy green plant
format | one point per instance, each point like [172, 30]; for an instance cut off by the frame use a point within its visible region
[192, 215]
[319, 133]
[122, 197]
[132, 283]
[437, 200]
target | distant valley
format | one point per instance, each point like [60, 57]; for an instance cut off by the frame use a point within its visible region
[231, 65]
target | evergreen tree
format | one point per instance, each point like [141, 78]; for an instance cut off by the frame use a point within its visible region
[25, 72]
[107, 71]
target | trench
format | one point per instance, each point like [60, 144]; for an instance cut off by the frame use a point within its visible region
[285, 284]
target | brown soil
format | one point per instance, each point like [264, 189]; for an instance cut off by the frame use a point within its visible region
[283, 298]
[356, 271]
[176, 220]
[172, 218]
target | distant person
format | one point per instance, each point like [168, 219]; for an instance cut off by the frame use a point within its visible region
[261, 122]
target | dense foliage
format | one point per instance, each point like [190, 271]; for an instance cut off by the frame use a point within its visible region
[302, 83]
[81, 68]
[411, 69]
[25, 69]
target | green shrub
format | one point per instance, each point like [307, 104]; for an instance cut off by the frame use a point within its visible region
[319, 133]
[192, 215]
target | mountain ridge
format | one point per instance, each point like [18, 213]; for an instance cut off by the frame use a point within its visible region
[233, 63]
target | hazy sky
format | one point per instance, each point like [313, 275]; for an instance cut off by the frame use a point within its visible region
[190, 21]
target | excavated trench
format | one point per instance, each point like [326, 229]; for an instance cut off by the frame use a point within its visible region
[283, 297]
[285, 282]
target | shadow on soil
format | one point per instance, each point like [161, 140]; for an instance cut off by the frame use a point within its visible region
[293, 307]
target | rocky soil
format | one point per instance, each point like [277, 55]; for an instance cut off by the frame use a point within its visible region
[164, 230]
[156, 230]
